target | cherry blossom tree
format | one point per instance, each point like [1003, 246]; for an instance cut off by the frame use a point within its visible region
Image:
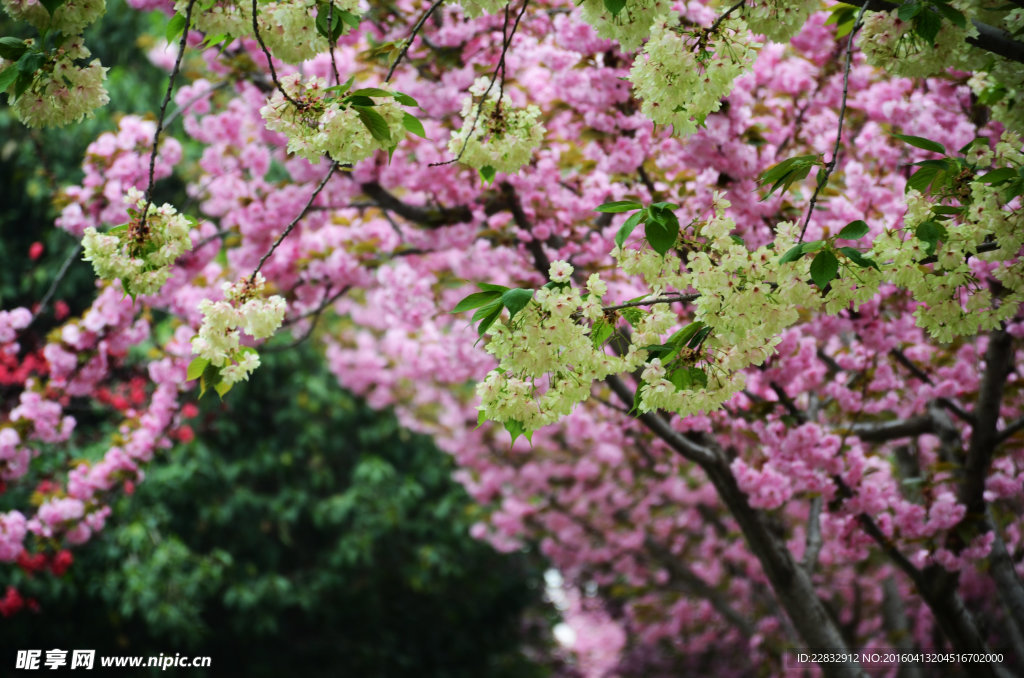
[743, 407]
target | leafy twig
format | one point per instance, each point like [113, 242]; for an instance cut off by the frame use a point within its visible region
[831, 165]
[412, 36]
[500, 68]
[270, 59]
[182, 44]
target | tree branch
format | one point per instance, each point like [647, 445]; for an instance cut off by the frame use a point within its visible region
[984, 436]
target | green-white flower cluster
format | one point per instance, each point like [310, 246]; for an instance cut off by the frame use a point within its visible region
[631, 26]
[243, 309]
[494, 134]
[682, 77]
[70, 18]
[321, 125]
[893, 45]
[139, 254]
[547, 355]
[62, 92]
[475, 8]
[953, 301]
[778, 20]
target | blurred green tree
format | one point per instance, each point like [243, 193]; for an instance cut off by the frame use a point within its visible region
[301, 533]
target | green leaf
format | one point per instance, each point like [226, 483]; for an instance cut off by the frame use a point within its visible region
[909, 10]
[662, 206]
[931, 232]
[517, 429]
[792, 254]
[412, 124]
[698, 338]
[30, 62]
[372, 92]
[633, 316]
[927, 25]
[856, 257]
[952, 15]
[662, 233]
[12, 49]
[175, 27]
[618, 206]
[196, 368]
[788, 172]
[627, 228]
[854, 230]
[475, 300]
[493, 306]
[680, 378]
[486, 323]
[615, 6]
[487, 174]
[349, 18]
[490, 287]
[222, 388]
[922, 143]
[925, 177]
[997, 176]
[824, 268]
[812, 246]
[600, 332]
[343, 87]
[376, 123]
[405, 99]
[515, 300]
[7, 77]
[23, 82]
[52, 5]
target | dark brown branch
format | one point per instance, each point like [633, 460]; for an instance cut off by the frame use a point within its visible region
[984, 437]
[1011, 428]
[884, 431]
[536, 248]
[430, 217]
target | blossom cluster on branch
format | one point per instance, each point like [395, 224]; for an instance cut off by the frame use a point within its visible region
[750, 311]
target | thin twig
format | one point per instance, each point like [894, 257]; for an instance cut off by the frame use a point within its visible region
[412, 36]
[291, 226]
[725, 15]
[831, 165]
[182, 44]
[682, 298]
[270, 59]
[330, 38]
[506, 43]
[56, 281]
